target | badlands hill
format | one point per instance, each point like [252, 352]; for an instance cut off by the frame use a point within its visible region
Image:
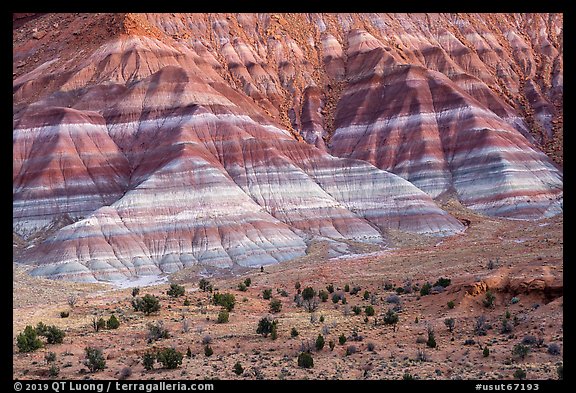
[147, 143]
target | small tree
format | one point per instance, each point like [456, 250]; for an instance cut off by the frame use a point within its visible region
[305, 360]
[98, 323]
[486, 352]
[176, 290]
[148, 360]
[294, 332]
[449, 322]
[95, 360]
[28, 340]
[238, 370]
[346, 288]
[208, 350]
[481, 326]
[369, 310]
[331, 344]
[266, 294]
[275, 305]
[342, 339]
[113, 322]
[297, 285]
[135, 291]
[431, 343]
[205, 285]
[274, 332]
[319, 342]
[310, 304]
[223, 316]
[265, 326]
[188, 353]
[170, 358]
[147, 304]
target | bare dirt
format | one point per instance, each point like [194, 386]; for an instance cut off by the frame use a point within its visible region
[529, 266]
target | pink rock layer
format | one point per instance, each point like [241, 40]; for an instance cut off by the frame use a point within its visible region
[174, 140]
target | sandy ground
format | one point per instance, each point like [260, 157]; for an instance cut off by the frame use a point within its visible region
[530, 267]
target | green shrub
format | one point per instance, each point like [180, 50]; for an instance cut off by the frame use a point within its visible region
[188, 353]
[238, 370]
[170, 358]
[390, 318]
[431, 342]
[319, 342]
[248, 282]
[369, 310]
[560, 372]
[223, 316]
[366, 295]
[135, 291]
[346, 288]
[147, 304]
[331, 344]
[486, 352]
[157, 331]
[514, 300]
[186, 303]
[449, 322]
[425, 290]
[64, 314]
[344, 301]
[355, 290]
[305, 360]
[275, 305]
[98, 323]
[176, 290]
[50, 357]
[519, 374]
[399, 290]
[205, 285]
[54, 335]
[442, 282]
[112, 322]
[208, 350]
[274, 332]
[357, 310]
[294, 332]
[308, 293]
[267, 294]
[148, 360]
[408, 377]
[335, 298]
[265, 326]
[323, 295]
[342, 339]
[242, 287]
[226, 300]
[489, 300]
[297, 285]
[520, 351]
[53, 371]
[95, 360]
[330, 288]
[451, 304]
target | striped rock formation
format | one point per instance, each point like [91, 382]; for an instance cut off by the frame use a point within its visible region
[170, 140]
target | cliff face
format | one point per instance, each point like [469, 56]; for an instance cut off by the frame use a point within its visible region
[226, 139]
